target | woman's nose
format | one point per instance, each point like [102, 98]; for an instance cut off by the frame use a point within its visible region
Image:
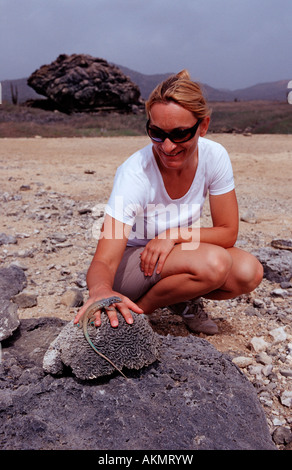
[168, 145]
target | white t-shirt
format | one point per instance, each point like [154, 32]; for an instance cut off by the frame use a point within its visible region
[139, 197]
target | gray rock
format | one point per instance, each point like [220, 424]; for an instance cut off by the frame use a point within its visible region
[25, 300]
[286, 398]
[279, 292]
[25, 187]
[58, 237]
[193, 398]
[12, 281]
[72, 298]
[277, 264]
[7, 239]
[9, 321]
[249, 217]
[131, 346]
[286, 372]
[282, 435]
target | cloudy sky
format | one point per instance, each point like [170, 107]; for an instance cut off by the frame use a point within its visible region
[224, 43]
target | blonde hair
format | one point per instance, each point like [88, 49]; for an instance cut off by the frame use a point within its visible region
[182, 90]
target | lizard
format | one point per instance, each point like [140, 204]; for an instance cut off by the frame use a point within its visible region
[88, 316]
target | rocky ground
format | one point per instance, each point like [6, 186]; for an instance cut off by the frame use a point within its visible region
[52, 197]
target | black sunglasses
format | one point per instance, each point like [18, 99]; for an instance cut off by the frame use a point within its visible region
[177, 135]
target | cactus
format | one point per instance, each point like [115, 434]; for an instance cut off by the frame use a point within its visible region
[14, 93]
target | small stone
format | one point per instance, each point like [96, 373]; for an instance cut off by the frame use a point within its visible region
[272, 310]
[263, 358]
[278, 334]
[18, 264]
[65, 271]
[255, 370]
[266, 401]
[7, 239]
[279, 293]
[85, 210]
[25, 300]
[279, 421]
[258, 303]
[72, 298]
[242, 361]
[249, 217]
[286, 372]
[251, 311]
[267, 370]
[58, 237]
[286, 398]
[282, 435]
[29, 253]
[286, 285]
[258, 344]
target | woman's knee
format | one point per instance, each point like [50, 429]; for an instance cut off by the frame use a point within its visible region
[249, 273]
[255, 273]
[217, 266]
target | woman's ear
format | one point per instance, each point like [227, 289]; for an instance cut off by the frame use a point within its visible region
[204, 126]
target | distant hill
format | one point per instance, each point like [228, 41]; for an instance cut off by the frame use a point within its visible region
[271, 91]
[146, 83]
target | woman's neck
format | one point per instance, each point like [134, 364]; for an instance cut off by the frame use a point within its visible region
[177, 181]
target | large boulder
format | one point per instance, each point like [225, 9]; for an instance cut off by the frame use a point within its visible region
[82, 83]
[192, 398]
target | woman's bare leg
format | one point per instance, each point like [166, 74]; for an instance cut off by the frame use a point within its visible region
[209, 271]
[245, 275]
[188, 274]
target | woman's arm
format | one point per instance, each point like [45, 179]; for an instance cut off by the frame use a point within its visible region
[102, 270]
[224, 213]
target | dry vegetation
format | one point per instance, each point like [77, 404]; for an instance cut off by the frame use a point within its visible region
[257, 117]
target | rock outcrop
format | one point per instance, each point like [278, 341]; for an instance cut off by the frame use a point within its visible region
[82, 83]
[192, 398]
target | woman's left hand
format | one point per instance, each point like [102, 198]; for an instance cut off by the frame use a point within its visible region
[155, 252]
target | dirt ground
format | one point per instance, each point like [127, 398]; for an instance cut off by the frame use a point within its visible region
[47, 183]
[83, 170]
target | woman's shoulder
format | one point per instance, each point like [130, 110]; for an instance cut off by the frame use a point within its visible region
[213, 152]
[139, 160]
[131, 180]
[208, 145]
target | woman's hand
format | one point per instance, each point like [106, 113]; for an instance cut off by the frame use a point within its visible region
[123, 307]
[156, 251]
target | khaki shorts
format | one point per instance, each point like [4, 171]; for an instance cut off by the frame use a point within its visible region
[130, 280]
